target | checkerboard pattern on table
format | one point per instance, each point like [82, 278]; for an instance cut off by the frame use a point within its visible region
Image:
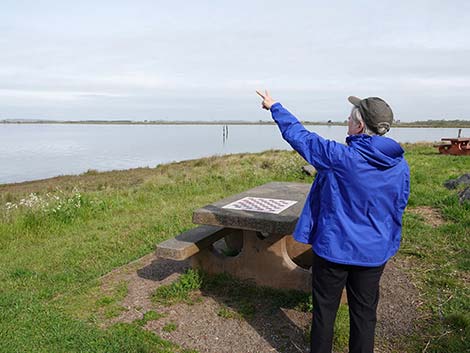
[259, 204]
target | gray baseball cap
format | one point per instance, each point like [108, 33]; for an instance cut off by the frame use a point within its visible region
[377, 114]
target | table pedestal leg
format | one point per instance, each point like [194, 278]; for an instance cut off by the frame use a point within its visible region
[263, 260]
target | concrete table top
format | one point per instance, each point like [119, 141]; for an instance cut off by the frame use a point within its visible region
[282, 223]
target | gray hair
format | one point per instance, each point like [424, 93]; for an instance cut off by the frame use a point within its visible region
[357, 118]
[382, 127]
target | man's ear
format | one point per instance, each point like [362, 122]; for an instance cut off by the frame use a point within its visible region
[357, 128]
[361, 126]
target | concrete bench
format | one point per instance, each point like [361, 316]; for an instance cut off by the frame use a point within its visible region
[191, 242]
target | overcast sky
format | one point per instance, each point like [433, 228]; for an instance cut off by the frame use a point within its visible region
[203, 60]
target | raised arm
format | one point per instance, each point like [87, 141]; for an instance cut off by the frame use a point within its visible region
[316, 150]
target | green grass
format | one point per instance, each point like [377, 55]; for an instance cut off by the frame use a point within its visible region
[149, 316]
[170, 327]
[180, 290]
[228, 313]
[51, 257]
[443, 252]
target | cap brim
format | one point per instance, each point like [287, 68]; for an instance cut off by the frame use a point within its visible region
[354, 100]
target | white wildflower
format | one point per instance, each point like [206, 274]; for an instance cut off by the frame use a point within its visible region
[10, 206]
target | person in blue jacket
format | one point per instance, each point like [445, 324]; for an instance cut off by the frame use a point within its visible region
[352, 216]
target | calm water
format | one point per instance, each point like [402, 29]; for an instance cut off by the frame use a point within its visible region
[29, 152]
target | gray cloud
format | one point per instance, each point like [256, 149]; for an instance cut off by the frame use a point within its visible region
[180, 60]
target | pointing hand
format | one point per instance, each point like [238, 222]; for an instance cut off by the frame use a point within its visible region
[267, 100]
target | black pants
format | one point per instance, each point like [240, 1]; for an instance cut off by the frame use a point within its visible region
[362, 286]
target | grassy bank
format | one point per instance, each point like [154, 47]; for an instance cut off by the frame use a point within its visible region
[59, 236]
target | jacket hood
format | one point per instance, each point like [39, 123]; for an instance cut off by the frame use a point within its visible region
[379, 151]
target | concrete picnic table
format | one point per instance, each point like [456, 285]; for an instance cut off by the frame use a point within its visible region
[268, 254]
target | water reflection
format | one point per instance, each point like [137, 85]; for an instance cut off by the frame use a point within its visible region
[29, 152]
[224, 134]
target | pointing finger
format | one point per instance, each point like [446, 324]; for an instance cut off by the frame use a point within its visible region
[260, 94]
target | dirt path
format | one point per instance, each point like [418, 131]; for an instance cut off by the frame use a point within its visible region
[200, 326]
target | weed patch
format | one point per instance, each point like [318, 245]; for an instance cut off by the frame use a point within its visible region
[180, 290]
[170, 327]
[148, 316]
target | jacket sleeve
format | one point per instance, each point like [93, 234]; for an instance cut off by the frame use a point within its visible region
[316, 150]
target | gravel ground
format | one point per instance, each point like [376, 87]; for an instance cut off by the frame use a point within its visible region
[199, 326]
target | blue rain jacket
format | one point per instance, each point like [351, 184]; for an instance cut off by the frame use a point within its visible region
[353, 212]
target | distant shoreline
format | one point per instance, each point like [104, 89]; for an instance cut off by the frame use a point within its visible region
[417, 124]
